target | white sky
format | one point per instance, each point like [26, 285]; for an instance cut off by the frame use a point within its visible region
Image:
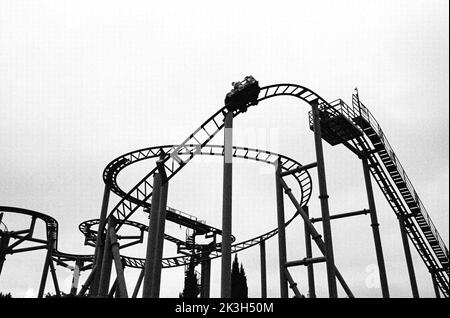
[83, 82]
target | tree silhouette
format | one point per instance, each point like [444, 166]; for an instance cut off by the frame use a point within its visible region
[191, 289]
[239, 287]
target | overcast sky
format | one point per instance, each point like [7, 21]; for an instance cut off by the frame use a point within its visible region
[82, 82]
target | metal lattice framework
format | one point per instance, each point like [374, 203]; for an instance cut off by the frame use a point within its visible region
[337, 123]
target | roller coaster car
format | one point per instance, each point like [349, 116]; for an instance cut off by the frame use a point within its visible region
[243, 94]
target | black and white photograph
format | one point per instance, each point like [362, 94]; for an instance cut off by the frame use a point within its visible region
[224, 156]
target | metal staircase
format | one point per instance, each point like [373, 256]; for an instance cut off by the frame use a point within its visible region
[356, 127]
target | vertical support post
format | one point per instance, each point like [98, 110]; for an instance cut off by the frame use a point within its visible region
[4, 243]
[100, 242]
[121, 285]
[409, 261]
[55, 279]
[435, 285]
[375, 230]
[323, 196]
[105, 274]
[152, 237]
[160, 236]
[310, 267]
[281, 232]
[205, 278]
[48, 259]
[227, 207]
[76, 277]
[262, 246]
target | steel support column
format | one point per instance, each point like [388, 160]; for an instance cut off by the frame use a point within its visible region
[88, 282]
[375, 230]
[409, 261]
[4, 243]
[152, 237]
[100, 241]
[55, 279]
[281, 232]
[227, 207]
[160, 236]
[435, 286]
[121, 285]
[138, 283]
[48, 259]
[323, 196]
[310, 267]
[76, 277]
[205, 278]
[105, 273]
[262, 247]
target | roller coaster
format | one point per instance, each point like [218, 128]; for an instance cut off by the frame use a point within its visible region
[336, 122]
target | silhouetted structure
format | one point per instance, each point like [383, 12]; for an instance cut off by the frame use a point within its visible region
[352, 126]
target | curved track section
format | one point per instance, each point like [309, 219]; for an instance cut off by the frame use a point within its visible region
[51, 231]
[423, 234]
[91, 234]
[169, 262]
[178, 156]
[112, 170]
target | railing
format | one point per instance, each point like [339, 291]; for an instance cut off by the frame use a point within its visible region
[335, 108]
[359, 108]
[186, 215]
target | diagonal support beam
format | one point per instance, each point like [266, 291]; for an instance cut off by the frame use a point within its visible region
[55, 279]
[315, 235]
[138, 283]
[292, 283]
[88, 281]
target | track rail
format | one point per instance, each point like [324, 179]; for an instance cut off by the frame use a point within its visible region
[396, 186]
[51, 231]
[117, 165]
[178, 156]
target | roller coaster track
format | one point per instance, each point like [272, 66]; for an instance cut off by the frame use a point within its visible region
[51, 232]
[178, 156]
[369, 142]
[421, 229]
[111, 172]
[61, 257]
[396, 186]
